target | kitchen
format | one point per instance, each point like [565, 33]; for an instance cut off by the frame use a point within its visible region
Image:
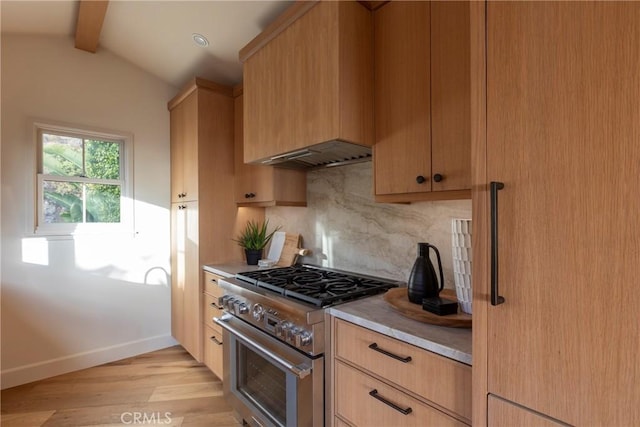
[436, 214]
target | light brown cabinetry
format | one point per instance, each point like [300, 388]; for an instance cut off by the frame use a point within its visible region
[212, 338]
[376, 379]
[422, 101]
[308, 79]
[557, 119]
[204, 216]
[184, 151]
[185, 273]
[264, 185]
[507, 414]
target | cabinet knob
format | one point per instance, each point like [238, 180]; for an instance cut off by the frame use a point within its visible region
[438, 177]
[249, 195]
[181, 195]
[420, 179]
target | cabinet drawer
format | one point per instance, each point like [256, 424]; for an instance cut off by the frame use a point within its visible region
[210, 309]
[355, 403]
[436, 378]
[213, 349]
[210, 285]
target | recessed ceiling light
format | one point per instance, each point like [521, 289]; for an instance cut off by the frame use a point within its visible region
[200, 40]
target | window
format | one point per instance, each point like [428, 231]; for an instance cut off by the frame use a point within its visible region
[83, 180]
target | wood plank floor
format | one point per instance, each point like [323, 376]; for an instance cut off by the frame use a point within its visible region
[166, 387]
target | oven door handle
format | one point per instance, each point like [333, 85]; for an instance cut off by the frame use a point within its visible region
[300, 371]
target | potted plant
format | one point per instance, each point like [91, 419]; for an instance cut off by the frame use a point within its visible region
[253, 239]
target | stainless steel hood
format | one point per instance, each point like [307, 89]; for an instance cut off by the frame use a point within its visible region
[323, 155]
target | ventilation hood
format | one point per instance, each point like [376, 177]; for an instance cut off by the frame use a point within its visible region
[323, 155]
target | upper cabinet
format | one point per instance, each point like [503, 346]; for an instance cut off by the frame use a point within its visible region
[264, 185]
[184, 150]
[308, 79]
[422, 101]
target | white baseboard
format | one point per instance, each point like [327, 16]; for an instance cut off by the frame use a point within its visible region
[74, 362]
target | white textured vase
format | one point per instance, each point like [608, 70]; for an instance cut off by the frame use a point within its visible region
[461, 245]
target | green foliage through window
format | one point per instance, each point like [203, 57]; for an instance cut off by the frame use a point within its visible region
[82, 179]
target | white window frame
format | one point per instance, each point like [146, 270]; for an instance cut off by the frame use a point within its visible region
[126, 224]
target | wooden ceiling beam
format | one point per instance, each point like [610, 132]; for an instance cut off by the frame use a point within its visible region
[90, 18]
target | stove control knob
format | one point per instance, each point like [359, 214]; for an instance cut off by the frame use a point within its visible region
[222, 301]
[228, 303]
[257, 312]
[282, 329]
[242, 308]
[292, 333]
[303, 338]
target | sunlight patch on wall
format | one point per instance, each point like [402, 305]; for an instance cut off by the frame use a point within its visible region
[327, 245]
[119, 258]
[35, 251]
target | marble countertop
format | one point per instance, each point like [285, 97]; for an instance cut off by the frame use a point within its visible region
[229, 269]
[376, 314]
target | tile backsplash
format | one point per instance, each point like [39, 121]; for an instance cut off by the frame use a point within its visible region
[347, 230]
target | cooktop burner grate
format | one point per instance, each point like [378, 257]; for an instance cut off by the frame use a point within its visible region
[316, 285]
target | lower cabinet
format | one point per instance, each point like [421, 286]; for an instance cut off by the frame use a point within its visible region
[213, 349]
[212, 339]
[364, 400]
[503, 413]
[381, 381]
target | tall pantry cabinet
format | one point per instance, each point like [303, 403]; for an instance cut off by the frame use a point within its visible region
[556, 129]
[204, 216]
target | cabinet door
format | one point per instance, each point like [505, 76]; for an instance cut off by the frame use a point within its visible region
[402, 152]
[422, 108]
[506, 414]
[185, 277]
[253, 183]
[562, 135]
[184, 149]
[450, 96]
[177, 120]
[213, 350]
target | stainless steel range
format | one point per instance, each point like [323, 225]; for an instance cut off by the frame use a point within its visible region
[275, 339]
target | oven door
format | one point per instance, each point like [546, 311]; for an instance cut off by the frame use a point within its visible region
[267, 382]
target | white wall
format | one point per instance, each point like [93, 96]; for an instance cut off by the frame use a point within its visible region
[347, 230]
[72, 303]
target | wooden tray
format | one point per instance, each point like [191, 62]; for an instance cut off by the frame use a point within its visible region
[398, 299]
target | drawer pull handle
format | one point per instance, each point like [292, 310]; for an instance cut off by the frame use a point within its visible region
[374, 393]
[214, 281]
[214, 305]
[375, 347]
[215, 340]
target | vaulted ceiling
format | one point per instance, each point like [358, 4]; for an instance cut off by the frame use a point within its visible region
[157, 35]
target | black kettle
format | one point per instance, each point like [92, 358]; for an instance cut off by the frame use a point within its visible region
[423, 282]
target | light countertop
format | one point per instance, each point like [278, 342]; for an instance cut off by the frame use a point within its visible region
[376, 314]
[229, 269]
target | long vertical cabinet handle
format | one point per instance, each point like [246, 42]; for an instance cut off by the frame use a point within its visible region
[496, 299]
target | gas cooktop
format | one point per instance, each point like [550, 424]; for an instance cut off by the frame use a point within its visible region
[316, 285]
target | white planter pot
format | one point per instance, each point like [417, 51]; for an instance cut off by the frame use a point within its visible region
[461, 246]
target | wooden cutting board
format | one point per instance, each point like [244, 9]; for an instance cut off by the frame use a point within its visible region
[399, 300]
[291, 250]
